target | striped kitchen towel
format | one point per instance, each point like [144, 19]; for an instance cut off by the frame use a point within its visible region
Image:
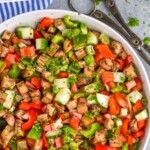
[10, 8]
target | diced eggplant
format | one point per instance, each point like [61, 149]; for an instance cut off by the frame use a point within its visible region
[53, 49]
[4, 51]
[47, 35]
[50, 109]
[27, 73]
[82, 108]
[6, 35]
[18, 128]
[100, 137]
[108, 124]
[6, 135]
[115, 142]
[88, 71]
[10, 119]
[48, 97]
[80, 54]
[42, 117]
[67, 45]
[60, 108]
[134, 126]
[8, 83]
[35, 93]
[22, 87]
[38, 144]
[116, 47]
[46, 74]
[22, 144]
[123, 55]
[72, 104]
[87, 121]
[42, 60]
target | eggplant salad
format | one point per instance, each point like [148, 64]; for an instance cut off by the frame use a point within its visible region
[67, 87]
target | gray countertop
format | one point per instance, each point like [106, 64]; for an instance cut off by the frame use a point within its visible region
[128, 8]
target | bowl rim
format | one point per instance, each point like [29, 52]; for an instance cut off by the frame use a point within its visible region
[5, 23]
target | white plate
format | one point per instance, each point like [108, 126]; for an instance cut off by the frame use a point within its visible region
[32, 18]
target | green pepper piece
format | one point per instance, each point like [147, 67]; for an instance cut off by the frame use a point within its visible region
[79, 41]
[125, 147]
[58, 39]
[14, 72]
[78, 95]
[69, 23]
[118, 88]
[71, 33]
[73, 145]
[83, 28]
[74, 68]
[1, 107]
[90, 50]
[35, 132]
[67, 130]
[91, 131]
[89, 60]
[1, 64]
[92, 39]
[104, 38]
[136, 146]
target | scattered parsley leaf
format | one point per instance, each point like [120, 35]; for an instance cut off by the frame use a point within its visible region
[133, 22]
[97, 2]
[127, 1]
[146, 40]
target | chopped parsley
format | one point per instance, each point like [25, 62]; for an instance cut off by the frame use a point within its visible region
[146, 40]
[133, 22]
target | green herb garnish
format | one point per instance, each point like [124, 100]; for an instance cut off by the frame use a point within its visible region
[133, 22]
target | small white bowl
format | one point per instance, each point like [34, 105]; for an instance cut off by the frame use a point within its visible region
[32, 18]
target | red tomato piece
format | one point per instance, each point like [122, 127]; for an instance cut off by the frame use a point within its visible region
[128, 60]
[138, 134]
[45, 142]
[30, 142]
[139, 84]
[46, 22]
[74, 122]
[63, 74]
[114, 108]
[12, 58]
[107, 77]
[130, 139]
[121, 63]
[74, 88]
[24, 106]
[121, 100]
[58, 142]
[125, 126]
[105, 147]
[138, 106]
[37, 34]
[36, 105]
[27, 51]
[35, 81]
[46, 127]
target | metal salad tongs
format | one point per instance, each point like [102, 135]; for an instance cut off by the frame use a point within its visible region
[129, 35]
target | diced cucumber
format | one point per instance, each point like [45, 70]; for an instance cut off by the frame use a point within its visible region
[92, 88]
[92, 39]
[90, 50]
[12, 109]
[61, 83]
[102, 100]
[61, 27]
[89, 60]
[123, 112]
[52, 29]
[119, 77]
[41, 43]
[142, 115]
[58, 123]
[9, 99]
[58, 39]
[52, 134]
[91, 99]
[118, 122]
[83, 28]
[63, 96]
[21, 44]
[25, 32]
[104, 38]
[134, 96]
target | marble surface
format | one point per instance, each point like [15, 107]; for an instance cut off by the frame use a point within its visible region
[128, 8]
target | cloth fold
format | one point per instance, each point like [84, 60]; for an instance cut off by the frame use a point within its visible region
[8, 9]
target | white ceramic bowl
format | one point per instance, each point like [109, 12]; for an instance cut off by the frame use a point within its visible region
[32, 18]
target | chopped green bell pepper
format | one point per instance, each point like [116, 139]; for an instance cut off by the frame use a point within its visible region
[117, 88]
[67, 130]
[71, 33]
[89, 60]
[83, 28]
[91, 131]
[14, 72]
[136, 146]
[58, 39]
[92, 39]
[90, 50]
[81, 94]
[79, 41]
[35, 132]
[1, 107]
[1, 64]
[69, 23]
[125, 147]
[104, 38]
[74, 68]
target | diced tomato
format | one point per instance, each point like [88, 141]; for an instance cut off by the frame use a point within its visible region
[74, 88]
[12, 58]
[123, 138]
[32, 118]
[45, 142]
[139, 84]
[58, 142]
[114, 108]
[141, 124]
[35, 81]
[111, 84]
[99, 120]
[128, 60]
[43, 109]
[130, 139]
[30, 142]
[121, 100]
[46, 22]
[138, 106]
[11, 49]
[63, 74]
[125, 126]
[36, 105]
[27, 51]
[46, 127]
[24, 106]
[105, 93]
[74, 122]
[121, 63]
[105, 147]
[138, 134]
[103, 51]
[107, 77]
[37, 34]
